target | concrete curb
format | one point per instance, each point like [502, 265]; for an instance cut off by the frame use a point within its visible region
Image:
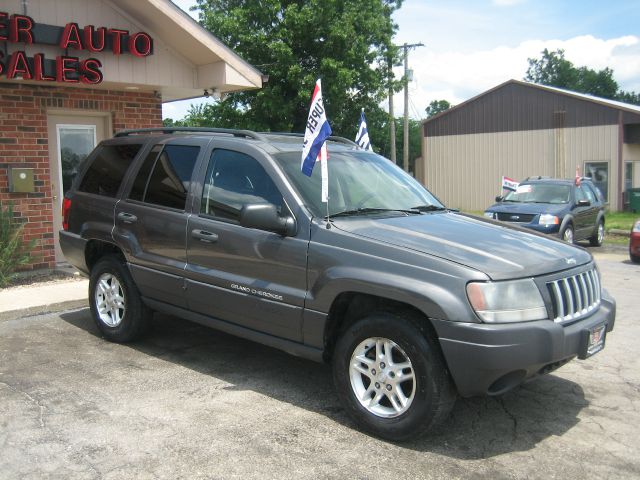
[43, 309]
[617, 231]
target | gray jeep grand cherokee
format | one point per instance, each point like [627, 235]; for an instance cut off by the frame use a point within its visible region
[411, 303]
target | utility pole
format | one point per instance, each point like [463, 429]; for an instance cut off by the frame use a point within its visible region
[405, 143]
[392, 120]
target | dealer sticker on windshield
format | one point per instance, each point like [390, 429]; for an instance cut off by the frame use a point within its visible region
[593, 340]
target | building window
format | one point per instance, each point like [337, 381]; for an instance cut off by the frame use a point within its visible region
[599, 174]
[628, 175]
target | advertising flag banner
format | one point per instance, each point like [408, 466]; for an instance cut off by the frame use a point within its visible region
[509, 184]
[362, 138]
[316, 133]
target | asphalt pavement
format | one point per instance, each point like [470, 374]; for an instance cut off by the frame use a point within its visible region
[189, 402]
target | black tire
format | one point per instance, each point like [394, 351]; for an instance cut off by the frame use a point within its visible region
[434, 394]
[597, 238]
[566, 232]
[131, 321]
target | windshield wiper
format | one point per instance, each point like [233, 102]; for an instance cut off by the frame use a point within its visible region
[361, 211]
[428, 208]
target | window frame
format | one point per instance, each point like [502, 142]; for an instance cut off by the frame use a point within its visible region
[595, 183]
[194, 183]
[88, 162]
[197, 203]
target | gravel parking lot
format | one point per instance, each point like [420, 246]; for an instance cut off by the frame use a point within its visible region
[189, 402]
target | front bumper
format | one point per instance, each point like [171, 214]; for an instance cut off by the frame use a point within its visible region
[493, 358]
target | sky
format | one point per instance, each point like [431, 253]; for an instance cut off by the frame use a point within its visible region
[472, 46]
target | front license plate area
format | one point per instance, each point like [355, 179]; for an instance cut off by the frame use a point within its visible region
[592, 341]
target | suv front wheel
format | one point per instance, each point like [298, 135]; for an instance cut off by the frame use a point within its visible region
[391, 377]
[115, 302]
[567, 233]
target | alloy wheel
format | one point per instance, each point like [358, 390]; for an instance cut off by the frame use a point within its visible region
[110, 300]
[382, 377]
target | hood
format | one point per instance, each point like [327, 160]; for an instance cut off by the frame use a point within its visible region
[499, 251]
[528, 208]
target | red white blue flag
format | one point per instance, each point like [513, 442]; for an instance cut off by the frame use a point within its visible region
[509, 184]
[316, 133]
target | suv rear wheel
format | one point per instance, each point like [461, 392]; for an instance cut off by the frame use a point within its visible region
[115, 302]
[391, 378]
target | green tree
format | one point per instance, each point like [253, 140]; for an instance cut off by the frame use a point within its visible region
[294, 42]
[437, 106]
[553, 69]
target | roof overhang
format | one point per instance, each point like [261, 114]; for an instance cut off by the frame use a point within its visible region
[218, 68]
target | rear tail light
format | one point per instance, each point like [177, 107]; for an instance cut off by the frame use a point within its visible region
[66, 206]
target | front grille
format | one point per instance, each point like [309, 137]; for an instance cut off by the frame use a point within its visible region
[515, 217]
[576, 296]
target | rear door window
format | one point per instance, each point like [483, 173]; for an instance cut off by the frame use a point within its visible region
[108, 168]
[165, 176]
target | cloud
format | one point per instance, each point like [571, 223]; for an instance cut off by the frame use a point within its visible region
[457, 76]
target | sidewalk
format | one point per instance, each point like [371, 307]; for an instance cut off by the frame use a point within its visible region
[46, 297]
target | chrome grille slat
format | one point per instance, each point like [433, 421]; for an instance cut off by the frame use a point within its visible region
[575, 296]
[576, 288]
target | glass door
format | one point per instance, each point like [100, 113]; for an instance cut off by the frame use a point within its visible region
[71, 138]
[75, 142]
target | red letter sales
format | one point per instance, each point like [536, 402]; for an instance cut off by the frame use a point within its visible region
[19, 29]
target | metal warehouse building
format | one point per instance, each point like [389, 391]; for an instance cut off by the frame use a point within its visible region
[519, 129]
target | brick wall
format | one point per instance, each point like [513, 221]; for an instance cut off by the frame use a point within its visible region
[24, 143]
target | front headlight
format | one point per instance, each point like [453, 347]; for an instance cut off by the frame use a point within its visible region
[489, 214]
[502, 302]
[547, 219]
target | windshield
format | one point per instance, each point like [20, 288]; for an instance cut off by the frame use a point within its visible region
[540, 193]
[358, 181]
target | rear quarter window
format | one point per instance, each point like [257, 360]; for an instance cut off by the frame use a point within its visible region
[107, 169]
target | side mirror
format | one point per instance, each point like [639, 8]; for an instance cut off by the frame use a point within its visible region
[583, 203]
[499, 198]
[264, 216]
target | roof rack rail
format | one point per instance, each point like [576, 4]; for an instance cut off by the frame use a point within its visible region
[344, 141]
[536, 177]
[226, 131]
[334, 138]
[283, 134]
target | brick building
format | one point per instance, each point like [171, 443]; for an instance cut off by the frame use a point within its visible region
[73, 72]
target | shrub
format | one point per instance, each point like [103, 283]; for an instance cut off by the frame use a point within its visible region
[13, 252]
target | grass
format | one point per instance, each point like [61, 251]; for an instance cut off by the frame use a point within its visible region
[620, 220]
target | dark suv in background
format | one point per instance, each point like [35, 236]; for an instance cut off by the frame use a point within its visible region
[412, 304]
[571, 210]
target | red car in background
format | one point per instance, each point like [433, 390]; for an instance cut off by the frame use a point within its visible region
[634, 242]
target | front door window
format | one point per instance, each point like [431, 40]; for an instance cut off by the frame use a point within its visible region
[75, 142]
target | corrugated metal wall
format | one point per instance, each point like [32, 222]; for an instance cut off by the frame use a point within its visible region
[464, 171]
[515, 106]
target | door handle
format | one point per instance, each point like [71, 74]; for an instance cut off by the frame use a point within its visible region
[204, 236]
[127, 217]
